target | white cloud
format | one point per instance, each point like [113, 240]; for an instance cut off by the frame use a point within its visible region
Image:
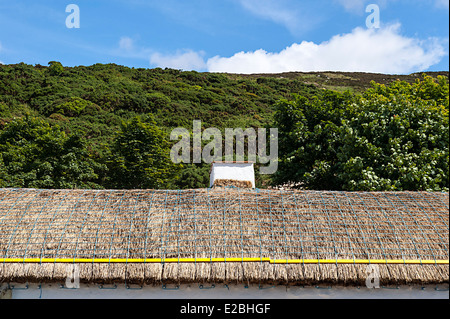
[187, 60]
[442, 4]
[363, 50]
[353, 5]
[359, 6]
[291, 14]
[270, 10]
[128, 48]
[126, 43]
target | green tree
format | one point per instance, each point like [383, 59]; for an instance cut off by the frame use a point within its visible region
[390, 138]
[73, 107]
[140, 156]
[34, 154]
[55, 68]
[156, 101]
[193, 176]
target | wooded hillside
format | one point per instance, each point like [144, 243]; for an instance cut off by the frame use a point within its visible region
[108, 126]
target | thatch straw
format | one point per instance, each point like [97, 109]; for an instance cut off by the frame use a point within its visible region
[232, 182]
[223, 223]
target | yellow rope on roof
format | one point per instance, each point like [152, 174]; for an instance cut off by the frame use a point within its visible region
[223, 260]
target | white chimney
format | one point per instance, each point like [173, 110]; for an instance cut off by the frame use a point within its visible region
[232, 171]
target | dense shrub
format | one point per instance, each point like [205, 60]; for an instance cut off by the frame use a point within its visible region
[390, 138]
[327, 139]
[140, 156]
[34, 154]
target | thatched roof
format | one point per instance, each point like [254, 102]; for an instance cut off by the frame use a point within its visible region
[232, 182]
[223, 235]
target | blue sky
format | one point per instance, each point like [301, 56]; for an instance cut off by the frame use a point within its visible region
[236, 36]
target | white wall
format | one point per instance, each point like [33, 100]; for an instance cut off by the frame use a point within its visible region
[53, 291]
[235, 171]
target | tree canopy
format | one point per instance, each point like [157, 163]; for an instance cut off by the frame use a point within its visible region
[34, 154]
[140, 156]
[389, 138]
[108, 126]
